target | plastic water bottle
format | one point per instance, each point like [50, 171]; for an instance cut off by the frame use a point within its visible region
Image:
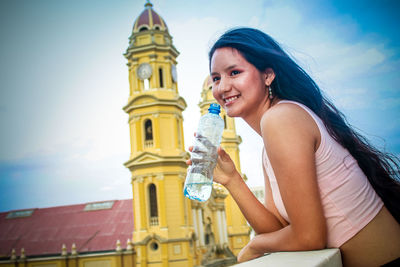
[199, 179]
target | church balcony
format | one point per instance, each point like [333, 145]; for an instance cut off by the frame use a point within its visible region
[148, 143]
[153, 221]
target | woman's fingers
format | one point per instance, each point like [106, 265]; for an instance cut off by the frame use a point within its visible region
[222, 154]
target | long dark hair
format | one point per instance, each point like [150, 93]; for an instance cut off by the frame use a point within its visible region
[293, 83]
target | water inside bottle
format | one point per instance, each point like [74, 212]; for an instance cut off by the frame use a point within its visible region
[199, 188]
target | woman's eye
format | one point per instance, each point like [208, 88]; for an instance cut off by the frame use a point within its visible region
[214, 79]
[235, 72]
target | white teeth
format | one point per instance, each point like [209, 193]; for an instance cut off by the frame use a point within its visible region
[230, 99]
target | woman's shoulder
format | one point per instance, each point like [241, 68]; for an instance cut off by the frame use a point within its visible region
[285, 112]
[288, 116]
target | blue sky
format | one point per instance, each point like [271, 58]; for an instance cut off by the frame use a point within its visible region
[63, 82]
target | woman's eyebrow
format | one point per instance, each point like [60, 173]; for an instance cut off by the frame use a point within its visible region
[226, 69]
[230, 67]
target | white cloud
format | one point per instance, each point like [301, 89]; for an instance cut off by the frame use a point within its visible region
[323, 50]
[339, 61]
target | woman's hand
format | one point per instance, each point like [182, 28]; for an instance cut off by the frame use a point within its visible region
[225, 169]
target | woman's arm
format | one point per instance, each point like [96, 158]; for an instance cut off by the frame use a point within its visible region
[291, 138]
[260, 218]
[269, 200]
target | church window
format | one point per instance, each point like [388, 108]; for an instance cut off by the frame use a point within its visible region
[160, 74]
[153, 205]
[225, 121]
[154, 246]
[148, 133]
[19, 214]
[207, 239]
[146, 84]
[142, 29]
[157, 28]
[99, 205]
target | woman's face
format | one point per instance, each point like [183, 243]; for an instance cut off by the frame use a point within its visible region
[238, 85]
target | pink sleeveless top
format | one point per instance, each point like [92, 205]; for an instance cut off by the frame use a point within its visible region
[348, 199]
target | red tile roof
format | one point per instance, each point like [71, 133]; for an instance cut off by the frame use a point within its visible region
[46, 230]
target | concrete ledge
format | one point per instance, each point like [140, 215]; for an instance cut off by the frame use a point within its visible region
[320, 258]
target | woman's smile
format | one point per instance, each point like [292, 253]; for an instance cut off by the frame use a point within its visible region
[228, 100]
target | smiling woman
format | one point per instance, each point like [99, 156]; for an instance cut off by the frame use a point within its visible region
[326, 186]
[239, 85]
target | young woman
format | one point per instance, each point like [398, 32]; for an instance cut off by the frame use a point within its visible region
[325, 185]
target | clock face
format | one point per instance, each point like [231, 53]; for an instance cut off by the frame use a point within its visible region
[174, 73]
[144, 71]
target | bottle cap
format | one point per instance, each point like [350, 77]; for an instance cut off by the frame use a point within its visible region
[214, 108]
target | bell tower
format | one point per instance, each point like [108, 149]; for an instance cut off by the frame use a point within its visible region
[163, 230]
[238, 230]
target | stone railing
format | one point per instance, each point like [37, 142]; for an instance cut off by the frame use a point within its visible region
[320, 258]
[148, 143]
[153, 221]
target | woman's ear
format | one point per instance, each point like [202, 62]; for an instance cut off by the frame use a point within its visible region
[269, 75]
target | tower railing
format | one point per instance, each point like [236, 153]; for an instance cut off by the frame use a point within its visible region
[153, 221]
[148, 143]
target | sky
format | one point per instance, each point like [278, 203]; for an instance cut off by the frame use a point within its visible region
[64, 81]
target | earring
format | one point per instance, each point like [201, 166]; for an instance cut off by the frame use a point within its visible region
[270, 92]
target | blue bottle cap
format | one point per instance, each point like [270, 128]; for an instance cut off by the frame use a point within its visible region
[214, 108]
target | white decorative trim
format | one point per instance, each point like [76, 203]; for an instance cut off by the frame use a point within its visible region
[201, 228]
[225, 230]
[219, 224]
[195, 226]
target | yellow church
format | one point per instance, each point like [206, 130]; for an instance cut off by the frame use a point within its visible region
[167, 229]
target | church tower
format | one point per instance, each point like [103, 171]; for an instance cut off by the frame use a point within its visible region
[163, 230]
[238, 230]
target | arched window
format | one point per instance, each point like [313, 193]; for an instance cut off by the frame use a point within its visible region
[146, 84]
[207, 239]
[225, 121]
[142, 29]
[148, 133]
[153, 205]
[160, 74]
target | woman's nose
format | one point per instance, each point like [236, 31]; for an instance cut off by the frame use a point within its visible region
[224, 85]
